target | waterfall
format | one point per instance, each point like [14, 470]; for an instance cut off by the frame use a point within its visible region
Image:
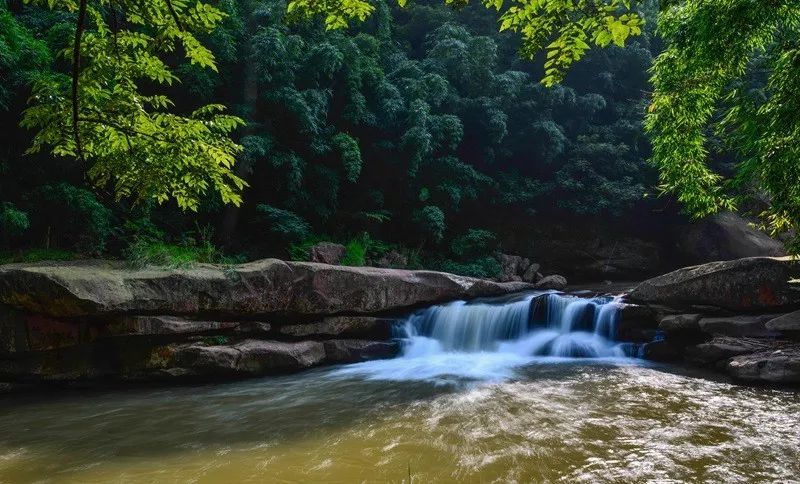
[489, 340]
[553, 325]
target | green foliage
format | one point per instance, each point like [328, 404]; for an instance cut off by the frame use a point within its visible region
[285, 224]
[563, 28]
[196, 247]
[37, 255]
[12, 220]
[128, 136]
[430, 220]
[21, 55]
[351, 155]
[484, 267]
[73, 217]
[356, 254]
[475, 242]
[708, 83]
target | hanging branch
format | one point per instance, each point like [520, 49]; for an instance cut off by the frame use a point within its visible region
[175, 15]
[76, 68]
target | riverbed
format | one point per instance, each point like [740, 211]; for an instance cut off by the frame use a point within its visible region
[574, 420]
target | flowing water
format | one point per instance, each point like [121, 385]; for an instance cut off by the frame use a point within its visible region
[530, 389]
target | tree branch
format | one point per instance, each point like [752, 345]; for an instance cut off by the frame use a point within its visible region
[76, 69]
[175, 15]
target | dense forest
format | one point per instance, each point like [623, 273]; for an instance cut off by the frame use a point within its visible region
[419, 137]
[420, 130]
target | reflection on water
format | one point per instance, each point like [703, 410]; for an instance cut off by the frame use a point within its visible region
[578, 421]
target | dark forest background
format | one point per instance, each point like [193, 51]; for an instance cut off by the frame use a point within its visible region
[418, 138]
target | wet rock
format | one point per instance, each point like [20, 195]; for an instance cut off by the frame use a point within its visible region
[675, 323]
[663, 351]
[327, 253]
[258, 288]
[772, 366]
[745, 285]
[723, 347]
[207, 360]
[365, 326]
[746, 325]
[350, 351]
[724, 236]
[635, 316]
[260, 357]
[249, 357]
[554, 282]
[786, 322]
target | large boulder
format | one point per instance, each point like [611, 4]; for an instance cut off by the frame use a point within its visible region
[260, 357]
[772, 366]
[248, 358]
[786, 322]
[744, 285]
[742, 325]
[554, 282]
[724, 236]
[263, 287]
[327, 253]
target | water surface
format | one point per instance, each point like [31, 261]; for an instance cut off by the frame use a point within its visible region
[531, 388]
[578, 421]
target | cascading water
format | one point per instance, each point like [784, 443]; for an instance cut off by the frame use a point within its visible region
[486, 340]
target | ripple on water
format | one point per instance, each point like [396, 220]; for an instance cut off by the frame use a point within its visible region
[576, 422]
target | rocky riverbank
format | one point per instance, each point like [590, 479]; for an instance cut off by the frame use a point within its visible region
[101, 321]
[740, 316]
[98, 320]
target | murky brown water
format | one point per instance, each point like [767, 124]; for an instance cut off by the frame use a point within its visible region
[572, 422]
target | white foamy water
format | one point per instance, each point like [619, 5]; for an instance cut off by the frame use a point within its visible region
[489, 340]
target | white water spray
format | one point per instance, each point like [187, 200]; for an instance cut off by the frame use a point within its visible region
[487, 340]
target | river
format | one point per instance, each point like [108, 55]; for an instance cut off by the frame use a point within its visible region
[474, 405]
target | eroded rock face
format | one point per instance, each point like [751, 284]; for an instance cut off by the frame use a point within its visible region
[745, 285]
[257, 288]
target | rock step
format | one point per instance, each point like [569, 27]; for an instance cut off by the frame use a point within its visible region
[270, 286]
[752, 285]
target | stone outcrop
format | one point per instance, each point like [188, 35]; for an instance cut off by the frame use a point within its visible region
[95, 320]
[743, 318]
[263, 287]
[724, 236]
[745, 285]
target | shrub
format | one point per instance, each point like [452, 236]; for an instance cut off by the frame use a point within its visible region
[196, 247]
[12, 220]
[484, 267]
